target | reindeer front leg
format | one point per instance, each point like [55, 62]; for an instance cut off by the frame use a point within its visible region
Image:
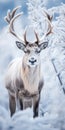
[36, 100]
[21, 104]
[12, 104]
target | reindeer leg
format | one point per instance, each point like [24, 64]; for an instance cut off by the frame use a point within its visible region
[20, 95]
[21, 104]
[12, 104]
[36, 100]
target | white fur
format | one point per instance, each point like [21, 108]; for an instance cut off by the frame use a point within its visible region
[30, 77]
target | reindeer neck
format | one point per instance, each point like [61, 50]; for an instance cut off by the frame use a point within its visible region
[30, 72]
[31, 77]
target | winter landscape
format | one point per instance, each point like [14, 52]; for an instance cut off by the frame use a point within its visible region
[52, 103]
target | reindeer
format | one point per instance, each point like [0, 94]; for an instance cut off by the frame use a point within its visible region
[24, 80]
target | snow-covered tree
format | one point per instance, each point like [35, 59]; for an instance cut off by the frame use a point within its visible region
[58, 44]
[35, 13]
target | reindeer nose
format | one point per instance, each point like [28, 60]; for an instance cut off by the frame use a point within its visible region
[32, 60]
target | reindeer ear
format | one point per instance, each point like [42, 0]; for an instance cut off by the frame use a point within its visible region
[43, 45]
[20, 45]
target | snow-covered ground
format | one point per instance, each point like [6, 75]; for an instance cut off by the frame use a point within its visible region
[52, 103]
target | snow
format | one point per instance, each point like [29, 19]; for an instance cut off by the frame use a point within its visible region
[52, 103]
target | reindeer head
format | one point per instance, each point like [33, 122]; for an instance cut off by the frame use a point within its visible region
[31, 50]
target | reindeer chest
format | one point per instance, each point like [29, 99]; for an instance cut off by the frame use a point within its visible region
[31, 81]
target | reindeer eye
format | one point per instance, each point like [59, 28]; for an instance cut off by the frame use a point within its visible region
[25, 50]
[28, 51]
[37, 51]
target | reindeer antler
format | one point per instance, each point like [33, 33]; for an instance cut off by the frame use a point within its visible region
[48, 18]
[10, 18]
[37, 38]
